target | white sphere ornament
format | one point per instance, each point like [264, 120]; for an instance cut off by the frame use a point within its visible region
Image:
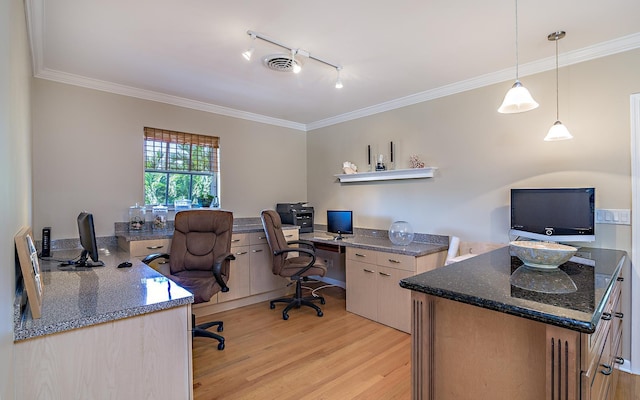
[401, 233]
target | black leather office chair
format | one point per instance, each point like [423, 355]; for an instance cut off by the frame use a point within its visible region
[296, 268]
[199, 259]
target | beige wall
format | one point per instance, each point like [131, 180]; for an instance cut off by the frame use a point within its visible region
[15, 168]
[88, 156]
[481, 154]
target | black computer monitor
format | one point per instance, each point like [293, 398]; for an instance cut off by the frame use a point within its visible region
[340, 221]
[88, 241]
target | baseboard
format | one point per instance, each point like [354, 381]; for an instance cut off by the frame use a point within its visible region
[626, 367]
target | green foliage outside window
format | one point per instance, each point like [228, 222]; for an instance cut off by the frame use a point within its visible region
[179, 166]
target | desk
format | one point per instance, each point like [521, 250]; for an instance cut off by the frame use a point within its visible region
[105, 333]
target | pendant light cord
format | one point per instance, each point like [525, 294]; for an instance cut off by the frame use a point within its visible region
[557, 87]
[517, 65]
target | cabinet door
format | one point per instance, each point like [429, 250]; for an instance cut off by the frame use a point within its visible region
[394, 302]
[362, 297]
[239, 275]
[262, 278]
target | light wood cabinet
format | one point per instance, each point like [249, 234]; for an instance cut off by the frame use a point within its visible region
[142, 248]
[262, 278]
[239, 272]
[372, 281]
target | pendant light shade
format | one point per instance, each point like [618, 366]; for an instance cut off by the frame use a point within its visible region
[558, 131]
[518, 99]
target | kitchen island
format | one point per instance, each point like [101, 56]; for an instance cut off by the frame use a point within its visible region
[475, 335]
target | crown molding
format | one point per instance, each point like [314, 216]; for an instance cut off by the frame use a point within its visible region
[35, 13]
[599, 50]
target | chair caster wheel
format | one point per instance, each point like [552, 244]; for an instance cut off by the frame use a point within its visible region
[285, 316]
[221, 346]
[272, 306]
[220, 328]
[320, 314]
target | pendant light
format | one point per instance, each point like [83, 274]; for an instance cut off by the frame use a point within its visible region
[518, 99]
[558, 131]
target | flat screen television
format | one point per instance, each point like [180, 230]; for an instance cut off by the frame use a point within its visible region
[88, 242]
[554, 214]
[340, 222]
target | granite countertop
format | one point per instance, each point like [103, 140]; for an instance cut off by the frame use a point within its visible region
[484, 281]
[422, 244]
[78, 297]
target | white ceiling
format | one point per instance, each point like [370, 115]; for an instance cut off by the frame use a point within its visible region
[394, 53]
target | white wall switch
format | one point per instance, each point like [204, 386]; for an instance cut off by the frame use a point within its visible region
[613, 216]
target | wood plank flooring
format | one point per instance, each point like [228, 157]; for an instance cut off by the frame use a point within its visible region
[338, 356]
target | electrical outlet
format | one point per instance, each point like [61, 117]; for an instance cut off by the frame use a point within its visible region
[613, 216]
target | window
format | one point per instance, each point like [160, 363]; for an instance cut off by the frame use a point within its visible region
[180, 166]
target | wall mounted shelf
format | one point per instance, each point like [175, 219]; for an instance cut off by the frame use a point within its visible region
[411, 173]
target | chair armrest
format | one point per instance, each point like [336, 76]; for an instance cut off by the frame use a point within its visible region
[308, 252]
[217, 269]
[152, 257]
[304, 243]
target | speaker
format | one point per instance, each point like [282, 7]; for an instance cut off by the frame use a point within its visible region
[46, 242]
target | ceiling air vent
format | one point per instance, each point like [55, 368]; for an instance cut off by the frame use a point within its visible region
[280, 62]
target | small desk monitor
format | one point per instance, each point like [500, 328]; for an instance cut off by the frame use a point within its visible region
[340, 222]
[88, 242]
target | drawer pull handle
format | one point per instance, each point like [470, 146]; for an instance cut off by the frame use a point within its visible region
[240, 253]
[620, 360]
[163, 262]
[262, 237]
[608, 369]
[620, 278]
[360, 255]
[368, 270]
[235, 240]
[606, 316]
[391, 260]
[257, 251]
[155, 247]
[619, 315]
[288, 235]
[384, 274]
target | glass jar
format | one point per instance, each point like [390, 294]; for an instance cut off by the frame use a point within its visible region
[182, 204]
[401, 233]
[136, 217]
[160, 214]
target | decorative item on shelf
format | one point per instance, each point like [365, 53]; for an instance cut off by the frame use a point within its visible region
[391, 158]
[401, 233]
[159, 218]
[380, 166]
[205, 200]
[369, 158]
[136, 217]
[414, 162]
[215, 202]
[349, 167]
[181, 204]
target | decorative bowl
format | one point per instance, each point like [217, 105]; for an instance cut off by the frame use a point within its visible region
[542, 254]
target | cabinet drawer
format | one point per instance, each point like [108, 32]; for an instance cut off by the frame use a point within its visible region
[239, 239]
[257, 238]
[362, 255]
[291, 234]
[397, 261]
[141, 248]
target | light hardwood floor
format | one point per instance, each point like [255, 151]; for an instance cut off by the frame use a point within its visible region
[339, 356]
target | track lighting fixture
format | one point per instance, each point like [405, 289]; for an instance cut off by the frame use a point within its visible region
[247, 54]
[290, 62]
[518, 99]
[338, 80]
[558, 131]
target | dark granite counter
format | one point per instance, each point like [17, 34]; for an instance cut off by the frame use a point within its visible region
[484, 281]
[78, 297]
[371, 239]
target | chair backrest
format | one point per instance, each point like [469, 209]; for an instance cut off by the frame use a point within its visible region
[273, 228]
[200, 236]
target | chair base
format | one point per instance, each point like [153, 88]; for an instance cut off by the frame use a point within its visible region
[202, 331]
[298, 301]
